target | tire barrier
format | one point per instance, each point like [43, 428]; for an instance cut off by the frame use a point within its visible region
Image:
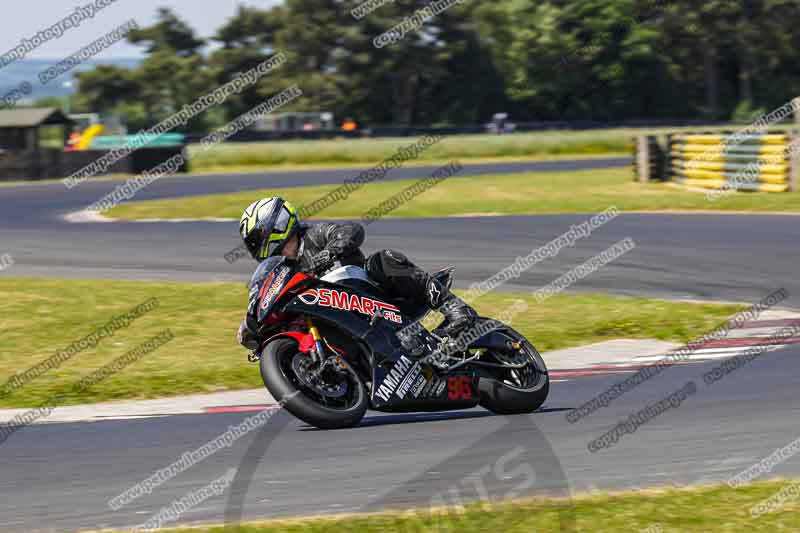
[759, 162]
[649, 159]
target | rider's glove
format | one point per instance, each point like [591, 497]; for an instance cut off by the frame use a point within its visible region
[337, 248]
[320, 263]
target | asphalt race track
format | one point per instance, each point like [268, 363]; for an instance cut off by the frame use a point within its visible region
[68, 472]
[714, 257]
[60, 476]
[36, 200]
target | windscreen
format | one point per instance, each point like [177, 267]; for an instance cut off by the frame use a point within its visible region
[266, 284]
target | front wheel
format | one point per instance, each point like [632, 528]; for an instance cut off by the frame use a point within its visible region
[330, 398]
[508, 391]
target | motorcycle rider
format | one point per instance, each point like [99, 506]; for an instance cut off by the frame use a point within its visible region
[271, 226]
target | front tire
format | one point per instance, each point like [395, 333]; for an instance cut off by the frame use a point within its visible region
[282, 383]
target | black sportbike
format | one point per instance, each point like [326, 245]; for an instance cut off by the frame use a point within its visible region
[336, 346]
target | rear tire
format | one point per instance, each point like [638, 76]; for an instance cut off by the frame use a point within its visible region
[299, 404]
[499, 398]
[506, 399]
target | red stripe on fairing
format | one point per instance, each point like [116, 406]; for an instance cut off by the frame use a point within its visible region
[297, 278]
[301, 338]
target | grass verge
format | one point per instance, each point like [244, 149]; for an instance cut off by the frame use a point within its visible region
[229, 168]
[698, 509]
[371, 150]
[589, 191]
[263, 155]
[43, 315]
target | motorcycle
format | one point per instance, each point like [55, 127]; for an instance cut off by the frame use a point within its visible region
[336, 346]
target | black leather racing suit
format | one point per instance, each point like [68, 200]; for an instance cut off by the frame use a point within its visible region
[390, 269]
[343, 241]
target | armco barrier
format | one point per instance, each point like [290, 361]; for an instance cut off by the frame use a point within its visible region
[761, 162]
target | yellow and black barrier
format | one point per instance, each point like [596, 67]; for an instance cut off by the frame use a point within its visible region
[754, 162]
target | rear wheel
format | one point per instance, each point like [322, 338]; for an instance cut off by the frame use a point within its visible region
[509, 390]
[328, 397]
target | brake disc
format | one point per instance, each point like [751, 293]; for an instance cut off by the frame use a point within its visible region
[302, 365]
[519, 357]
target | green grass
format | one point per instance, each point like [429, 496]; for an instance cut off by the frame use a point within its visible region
[370, 151]
[588, 191]
[341, 151]
[232, 167]
[42, 315]
[699, 509]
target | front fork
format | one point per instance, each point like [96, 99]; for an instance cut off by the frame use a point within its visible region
[319, 352]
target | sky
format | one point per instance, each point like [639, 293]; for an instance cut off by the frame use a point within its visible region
[23, 19]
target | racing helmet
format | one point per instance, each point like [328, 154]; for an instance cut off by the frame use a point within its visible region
[267, 225]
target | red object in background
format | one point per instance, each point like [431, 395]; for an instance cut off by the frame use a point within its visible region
[74, 139]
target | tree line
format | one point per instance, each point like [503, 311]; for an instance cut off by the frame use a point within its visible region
[534, 59]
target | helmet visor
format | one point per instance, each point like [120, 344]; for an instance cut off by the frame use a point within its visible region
[282, 221]
[274, 246]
